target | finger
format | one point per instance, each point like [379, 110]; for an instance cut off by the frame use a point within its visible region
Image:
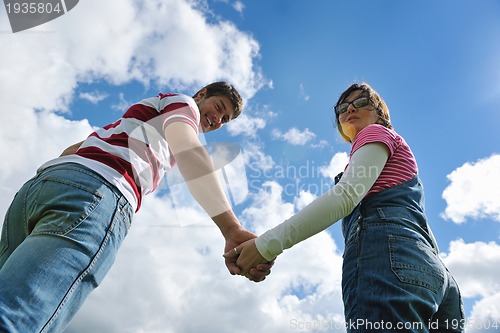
[262, 270]
[232, 254]
[255, 278]
[265, 267]
[233, 268]
[230, 260]
[259, 273]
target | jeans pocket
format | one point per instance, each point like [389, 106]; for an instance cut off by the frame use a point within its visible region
[62, 205]
[414, 262]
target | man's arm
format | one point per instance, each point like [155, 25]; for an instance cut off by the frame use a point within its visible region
[71, 149]
[198, 171]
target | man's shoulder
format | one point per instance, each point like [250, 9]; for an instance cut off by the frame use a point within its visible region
[178, 99]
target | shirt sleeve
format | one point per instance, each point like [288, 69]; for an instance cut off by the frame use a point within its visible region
[179, 108]
[375, 133]
[365, 166]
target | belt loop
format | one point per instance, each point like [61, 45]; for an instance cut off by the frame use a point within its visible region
[381, 214]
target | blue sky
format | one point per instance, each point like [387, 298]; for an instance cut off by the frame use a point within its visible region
[436, 64]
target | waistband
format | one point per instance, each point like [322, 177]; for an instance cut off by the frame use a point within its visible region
[83, 169]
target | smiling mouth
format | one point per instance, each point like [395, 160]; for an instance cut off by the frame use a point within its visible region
[208, 121]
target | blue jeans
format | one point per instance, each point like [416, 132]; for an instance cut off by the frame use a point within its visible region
[392, 277]
[59, 239]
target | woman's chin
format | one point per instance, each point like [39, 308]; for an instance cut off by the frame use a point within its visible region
[349, 130]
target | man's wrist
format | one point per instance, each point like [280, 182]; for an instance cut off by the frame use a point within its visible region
[227, 223]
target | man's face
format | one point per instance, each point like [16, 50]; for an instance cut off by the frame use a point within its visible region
[215, 111]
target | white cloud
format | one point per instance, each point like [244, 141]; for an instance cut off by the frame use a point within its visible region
[321, 144]
[476, 267]
[93, 97]
[473, 191]
[251, 120]
[268, 209]
[337, 165]
[304, 199]
[294, 136]
[239, 6]
[256, 160]
[307, 265]
[122, 105]
[122, 40]
[245, 125]
[28, 139]
[200, 51]
[302, 93]
[485, 315]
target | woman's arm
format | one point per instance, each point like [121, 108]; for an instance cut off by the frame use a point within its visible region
[364, 168]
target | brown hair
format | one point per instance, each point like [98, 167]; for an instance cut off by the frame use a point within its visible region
[378, 103]
[225, 89]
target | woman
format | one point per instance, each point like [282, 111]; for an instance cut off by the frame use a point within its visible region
[392, 277]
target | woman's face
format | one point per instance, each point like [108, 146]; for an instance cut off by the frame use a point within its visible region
[353, 120]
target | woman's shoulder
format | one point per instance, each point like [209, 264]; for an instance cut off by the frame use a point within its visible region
[374, 133]
[376, 129]
[377, 133]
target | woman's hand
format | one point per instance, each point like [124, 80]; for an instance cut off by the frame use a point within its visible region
[248, 258]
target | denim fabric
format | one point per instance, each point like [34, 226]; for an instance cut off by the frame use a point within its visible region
[59, 239]
[392, 277]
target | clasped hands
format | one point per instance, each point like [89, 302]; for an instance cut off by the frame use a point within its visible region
[243, 258]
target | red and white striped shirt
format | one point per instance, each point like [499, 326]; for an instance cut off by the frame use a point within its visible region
[132, 153]
[401, 165]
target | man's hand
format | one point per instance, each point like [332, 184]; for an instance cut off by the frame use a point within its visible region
[233, 239]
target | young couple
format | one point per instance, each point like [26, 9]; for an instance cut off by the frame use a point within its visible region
[65, 225]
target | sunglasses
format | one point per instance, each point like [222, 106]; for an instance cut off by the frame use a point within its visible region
[357, 103]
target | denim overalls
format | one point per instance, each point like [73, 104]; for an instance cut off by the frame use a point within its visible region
[392, 277]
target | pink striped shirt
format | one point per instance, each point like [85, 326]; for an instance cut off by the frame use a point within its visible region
[132, 153]
[401, 165]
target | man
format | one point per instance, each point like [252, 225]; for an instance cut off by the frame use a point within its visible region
[64, 226]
